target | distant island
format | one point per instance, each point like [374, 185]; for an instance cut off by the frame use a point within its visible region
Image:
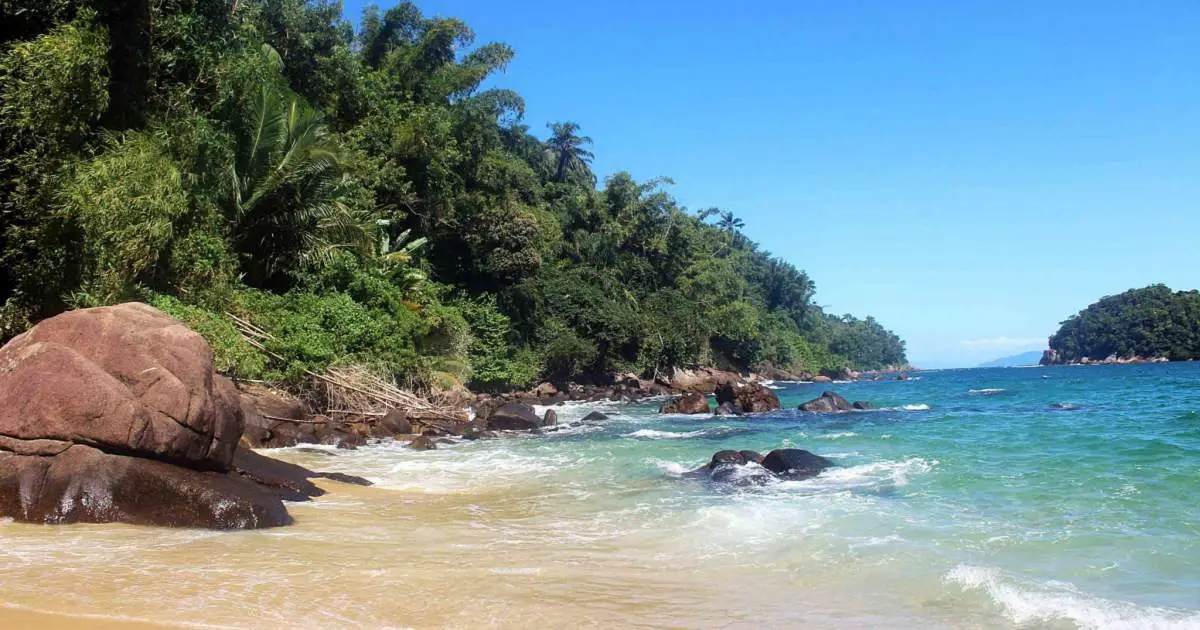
[1149, 324]
[1017, 360]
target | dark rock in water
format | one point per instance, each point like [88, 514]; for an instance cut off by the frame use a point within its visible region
[726, 457]
[737, 468]
[353, 480]
[1063, 406]
[752, 456]
[475, 433]
[862, 405]
[794, 463]
[423, 443]
[829, 401]
[728, 409]
[741, 475]
[689, 403]
[595, 416]
[550, 419]
[315, 451]
[514, 417]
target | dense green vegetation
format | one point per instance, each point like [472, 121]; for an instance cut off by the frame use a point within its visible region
[362, 196]
[1151, 322]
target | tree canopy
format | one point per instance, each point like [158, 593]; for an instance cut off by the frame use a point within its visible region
[1151, 322]
[359, 193]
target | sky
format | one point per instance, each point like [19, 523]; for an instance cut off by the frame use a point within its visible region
[969, 173]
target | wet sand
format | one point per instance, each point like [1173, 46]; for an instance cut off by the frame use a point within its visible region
[19, 619]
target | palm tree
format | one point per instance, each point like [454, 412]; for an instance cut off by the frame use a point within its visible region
[730, 223]
[567, 149]
[290, 189]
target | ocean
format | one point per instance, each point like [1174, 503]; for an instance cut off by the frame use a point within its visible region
[1060, 497]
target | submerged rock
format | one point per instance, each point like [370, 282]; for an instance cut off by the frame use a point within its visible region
[794, 463]
[862, 405]
[748, 468]
[829, 401]
[594, 416]
[728, 409]
[689, 403]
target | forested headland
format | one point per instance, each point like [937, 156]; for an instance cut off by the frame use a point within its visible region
[364, 196]
[1149, 323]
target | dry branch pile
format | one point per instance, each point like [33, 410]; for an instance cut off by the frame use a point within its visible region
[355, 391]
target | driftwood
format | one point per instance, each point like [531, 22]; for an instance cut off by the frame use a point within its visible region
[356, 391]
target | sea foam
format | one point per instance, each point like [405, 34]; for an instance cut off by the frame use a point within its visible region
[1025, 603]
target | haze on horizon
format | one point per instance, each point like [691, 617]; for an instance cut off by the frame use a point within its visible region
[969, 174]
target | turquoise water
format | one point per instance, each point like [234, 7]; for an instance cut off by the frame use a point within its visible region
[968, 501]
[1056, 497]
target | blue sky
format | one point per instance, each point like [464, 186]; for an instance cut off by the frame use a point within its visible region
[970, 173]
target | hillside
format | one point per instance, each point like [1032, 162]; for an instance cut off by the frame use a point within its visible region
[1149, 323]
[360, 196]
[1017, 360]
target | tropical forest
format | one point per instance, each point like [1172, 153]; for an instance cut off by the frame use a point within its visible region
[1153, 322]
[367, 193]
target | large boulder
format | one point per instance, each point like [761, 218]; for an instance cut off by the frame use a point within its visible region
[115, 415]
[702, 380]
[690, 403]
[124, 379]
[514, 417]
[748, 397]
[829, 401]
[794, 463]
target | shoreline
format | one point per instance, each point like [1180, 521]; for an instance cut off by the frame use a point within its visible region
[12, 616]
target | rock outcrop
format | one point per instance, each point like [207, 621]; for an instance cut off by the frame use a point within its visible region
[748, 397]
[689, 403]
[276, 422]
[832, 401]
[114, 414]
[702, 380]
[514, 417]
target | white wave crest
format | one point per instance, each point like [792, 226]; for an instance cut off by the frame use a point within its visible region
[909, 407]
[987, 391]
[837, 436]
[888, 473]
[675, 469]
[1058, 601]
[652, 434]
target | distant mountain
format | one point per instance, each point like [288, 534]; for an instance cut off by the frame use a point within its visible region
[1017, 360]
